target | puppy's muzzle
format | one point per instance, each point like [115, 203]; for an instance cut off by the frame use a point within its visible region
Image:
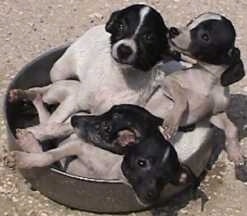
[124, 52]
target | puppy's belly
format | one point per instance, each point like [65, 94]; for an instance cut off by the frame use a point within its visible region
[200, 106]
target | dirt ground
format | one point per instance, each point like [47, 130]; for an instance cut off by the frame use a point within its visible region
[28, 28]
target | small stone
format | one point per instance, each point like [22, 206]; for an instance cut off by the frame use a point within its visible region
[97, 16]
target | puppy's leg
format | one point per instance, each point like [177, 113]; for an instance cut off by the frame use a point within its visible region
[157, 78]
[25, 139]
[29, 160]
[27, 142]
[179, 97]
[233, 147]
[49, 131]
[68, 107]
[41, 109]
[29, 94]
[63, 68]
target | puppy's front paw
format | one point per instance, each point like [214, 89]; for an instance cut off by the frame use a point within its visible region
[27, 141]
[241, 170]
[26, 160]
[170, 128]
[22, 159]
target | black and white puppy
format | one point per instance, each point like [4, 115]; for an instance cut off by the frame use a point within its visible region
[113, 62]
[210, 38]
[118, 128]
[138, 36]
[150, 162]
[202, 90]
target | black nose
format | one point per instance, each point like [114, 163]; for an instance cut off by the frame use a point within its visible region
[74, 121]
[173, 32]
[124, 51]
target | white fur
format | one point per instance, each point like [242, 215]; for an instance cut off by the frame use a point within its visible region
[204, 17]
[143, 13]
[104, 82]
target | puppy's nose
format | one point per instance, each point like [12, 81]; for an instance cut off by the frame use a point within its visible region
[124, 51]
[173, 32]
[74, 121]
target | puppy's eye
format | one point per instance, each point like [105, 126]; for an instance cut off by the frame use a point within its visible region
[141, 163]
[148, 37]
[121, 27]
[205, 37]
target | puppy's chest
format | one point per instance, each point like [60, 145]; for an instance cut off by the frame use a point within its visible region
[198, 81]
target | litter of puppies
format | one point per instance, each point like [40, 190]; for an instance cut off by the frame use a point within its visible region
[122, 70]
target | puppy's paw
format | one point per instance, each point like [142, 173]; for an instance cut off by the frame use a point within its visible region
[27, 141]
[22, 159]
[16, 95]
[241, 170]
[170, 128]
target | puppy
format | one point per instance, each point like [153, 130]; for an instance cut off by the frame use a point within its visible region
[117, 128]
[202, 91]
[150, 162]
[113, 62]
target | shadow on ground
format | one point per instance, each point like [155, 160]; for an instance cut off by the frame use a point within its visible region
[238, 114]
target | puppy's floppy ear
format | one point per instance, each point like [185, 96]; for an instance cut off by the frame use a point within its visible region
[235, 72]
[111, 23]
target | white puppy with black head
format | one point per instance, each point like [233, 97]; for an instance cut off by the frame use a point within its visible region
[113, 62]
[202, 90]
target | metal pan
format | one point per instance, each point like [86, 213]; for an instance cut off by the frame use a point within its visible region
[95, 195]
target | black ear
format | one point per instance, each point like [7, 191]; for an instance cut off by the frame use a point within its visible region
[111, 23]
[235, 72]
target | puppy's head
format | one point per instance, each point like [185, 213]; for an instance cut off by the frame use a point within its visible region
[150, 165]
[210, 38]
[116, 129]
[138, 36]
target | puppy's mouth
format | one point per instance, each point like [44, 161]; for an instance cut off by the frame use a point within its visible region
[123, 62]
[185, 55]
[176, 47]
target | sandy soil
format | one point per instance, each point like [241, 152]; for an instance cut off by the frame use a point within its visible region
[28, 28]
